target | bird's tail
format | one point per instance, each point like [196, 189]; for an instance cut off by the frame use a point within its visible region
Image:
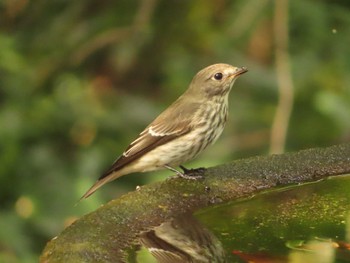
[101, 182]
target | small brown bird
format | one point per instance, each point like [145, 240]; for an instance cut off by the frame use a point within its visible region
[183, 239]
[194, 121]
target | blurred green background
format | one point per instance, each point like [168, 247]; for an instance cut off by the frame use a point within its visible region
[80, 79]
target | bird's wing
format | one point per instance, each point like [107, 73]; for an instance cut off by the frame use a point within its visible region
[162, 250]
[171, 124]
[156, 134]
[153, 136]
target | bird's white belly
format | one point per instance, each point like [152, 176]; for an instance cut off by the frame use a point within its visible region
[188, 146]
[177, 151]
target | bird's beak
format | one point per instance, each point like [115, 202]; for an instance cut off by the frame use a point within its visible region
[239, 71]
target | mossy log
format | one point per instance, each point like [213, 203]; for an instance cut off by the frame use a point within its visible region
[108, 234]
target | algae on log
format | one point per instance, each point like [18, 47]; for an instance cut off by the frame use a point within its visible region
[108, 234]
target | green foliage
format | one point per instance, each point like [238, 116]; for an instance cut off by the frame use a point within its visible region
[79, 80]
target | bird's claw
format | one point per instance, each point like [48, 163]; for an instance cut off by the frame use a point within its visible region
[192, 174]
[196, 173]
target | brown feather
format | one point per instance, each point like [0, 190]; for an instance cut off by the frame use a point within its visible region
[149, 143]
[162, 132]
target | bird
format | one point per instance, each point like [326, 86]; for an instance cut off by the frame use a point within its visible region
[183, 239]
[182, 131]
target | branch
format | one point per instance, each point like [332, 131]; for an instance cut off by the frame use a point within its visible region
[284, 78]
[109, 37]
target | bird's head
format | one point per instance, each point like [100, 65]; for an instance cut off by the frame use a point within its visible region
[215, 80]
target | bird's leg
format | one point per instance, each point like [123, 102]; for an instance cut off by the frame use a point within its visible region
[187, 174]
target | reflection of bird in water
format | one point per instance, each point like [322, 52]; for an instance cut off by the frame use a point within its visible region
[183, 239]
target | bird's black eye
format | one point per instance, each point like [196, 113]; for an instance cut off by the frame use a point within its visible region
[218, 76]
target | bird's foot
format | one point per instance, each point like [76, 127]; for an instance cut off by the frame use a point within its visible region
[191, 174]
